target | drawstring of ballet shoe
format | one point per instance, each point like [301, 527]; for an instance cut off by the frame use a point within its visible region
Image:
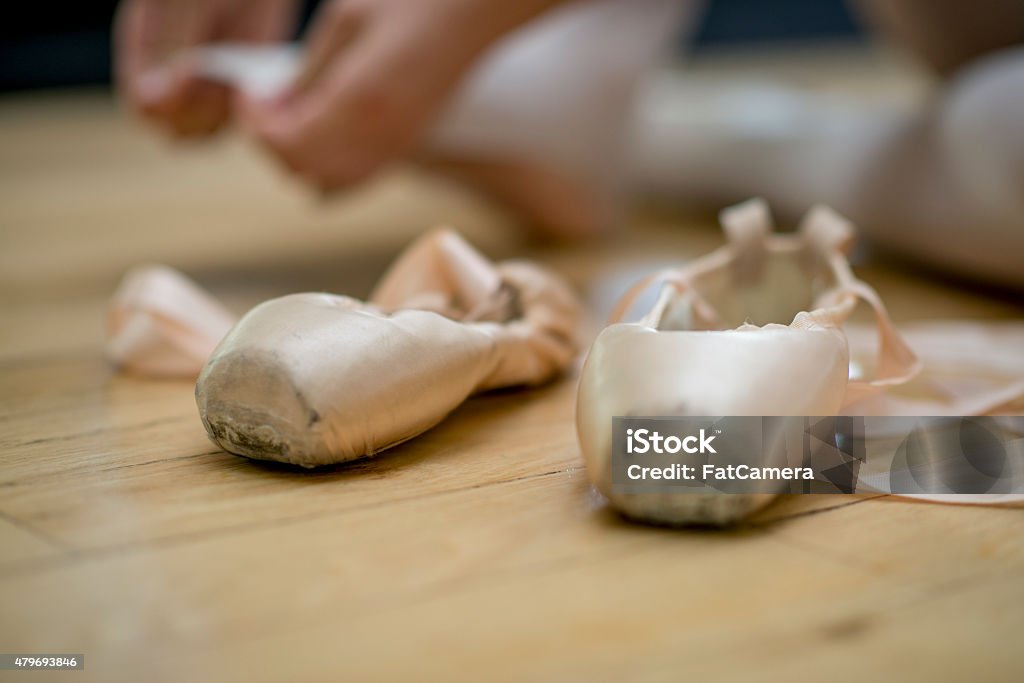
[666, 276]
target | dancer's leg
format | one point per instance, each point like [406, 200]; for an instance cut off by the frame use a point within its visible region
[941, 183]
[947, 187]
[538, 121]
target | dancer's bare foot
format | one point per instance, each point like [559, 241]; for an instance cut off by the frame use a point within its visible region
[378, 72]
[533, 117]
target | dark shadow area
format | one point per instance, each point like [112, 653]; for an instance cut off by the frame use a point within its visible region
[947, 278]
[62, 44]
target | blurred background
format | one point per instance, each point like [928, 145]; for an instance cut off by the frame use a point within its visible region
[904, 115]
[59, 44]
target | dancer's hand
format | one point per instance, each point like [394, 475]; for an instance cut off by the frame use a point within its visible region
[166, 91]
[377, 73]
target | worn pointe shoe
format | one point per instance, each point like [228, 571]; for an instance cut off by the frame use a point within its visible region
[317, 379]
[753, 328]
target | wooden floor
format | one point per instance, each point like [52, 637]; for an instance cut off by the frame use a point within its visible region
[476, 552]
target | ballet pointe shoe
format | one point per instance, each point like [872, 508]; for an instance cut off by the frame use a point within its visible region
[753, 328]
[319, 379]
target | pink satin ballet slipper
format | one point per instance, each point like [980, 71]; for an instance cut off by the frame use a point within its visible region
[317, 379]
[753, 328]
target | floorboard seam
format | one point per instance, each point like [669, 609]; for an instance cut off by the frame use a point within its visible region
[63, 474]
[101, 430]
[74, 556]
